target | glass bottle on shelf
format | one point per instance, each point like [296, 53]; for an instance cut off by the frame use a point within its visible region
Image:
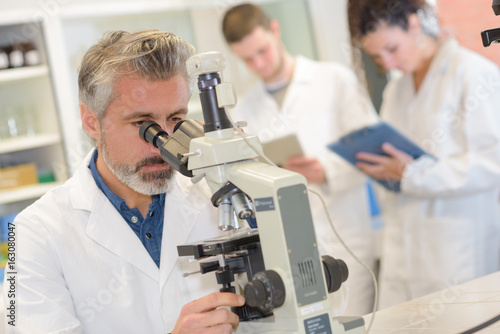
[31, 54]
[16, 56]
[13, 121]
[28, 121]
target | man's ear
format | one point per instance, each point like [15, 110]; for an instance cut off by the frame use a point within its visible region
[90, 122]
[414, 23]
[275, 28]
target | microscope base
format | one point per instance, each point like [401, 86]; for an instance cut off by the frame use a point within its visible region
[270, 325]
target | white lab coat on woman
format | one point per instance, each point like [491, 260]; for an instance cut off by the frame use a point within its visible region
[443, 228]
[323, 102]
[81, 268]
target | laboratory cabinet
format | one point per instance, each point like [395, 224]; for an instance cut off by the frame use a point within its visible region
[32, 158]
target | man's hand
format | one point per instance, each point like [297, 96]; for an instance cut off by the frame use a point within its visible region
[382, 167]
[204, 315]
[307, 166]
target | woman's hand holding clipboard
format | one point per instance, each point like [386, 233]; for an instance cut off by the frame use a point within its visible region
[379, 151]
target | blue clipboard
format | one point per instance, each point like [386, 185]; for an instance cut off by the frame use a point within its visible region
[370, 139]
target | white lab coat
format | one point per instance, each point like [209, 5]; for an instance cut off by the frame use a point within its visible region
[81, 268]
[443, 228]
[323, 102]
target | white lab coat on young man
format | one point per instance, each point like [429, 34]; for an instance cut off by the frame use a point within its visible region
[323, 102]
[81, 268]
[443, 228]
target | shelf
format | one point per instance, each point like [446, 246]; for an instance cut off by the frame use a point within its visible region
[30, 93]
[28, 142]
[23, 73]
[26, 192]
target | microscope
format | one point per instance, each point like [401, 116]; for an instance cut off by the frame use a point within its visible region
[492, 35]
[288, 285]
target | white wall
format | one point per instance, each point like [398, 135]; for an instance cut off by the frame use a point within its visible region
[332, 31]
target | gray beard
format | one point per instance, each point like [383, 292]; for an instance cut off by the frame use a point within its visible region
[152, 183]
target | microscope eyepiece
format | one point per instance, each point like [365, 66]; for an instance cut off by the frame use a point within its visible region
[150, 131]
[496, 7]
[173, 149]
[178, 125]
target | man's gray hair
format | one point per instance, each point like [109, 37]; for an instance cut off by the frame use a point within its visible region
[148, 54]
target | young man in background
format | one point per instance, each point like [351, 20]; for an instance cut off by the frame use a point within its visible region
[319, 102]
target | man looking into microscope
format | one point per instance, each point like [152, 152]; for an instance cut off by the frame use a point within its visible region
[98, 254]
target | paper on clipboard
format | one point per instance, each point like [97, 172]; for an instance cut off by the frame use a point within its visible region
[279, 149]
[370, 139]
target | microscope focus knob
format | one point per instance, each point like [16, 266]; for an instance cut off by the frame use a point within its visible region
[336, 272]
[266, 291]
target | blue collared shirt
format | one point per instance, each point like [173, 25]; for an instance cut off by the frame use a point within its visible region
[149, 229]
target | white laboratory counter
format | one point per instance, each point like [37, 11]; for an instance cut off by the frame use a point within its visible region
[451, 311]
